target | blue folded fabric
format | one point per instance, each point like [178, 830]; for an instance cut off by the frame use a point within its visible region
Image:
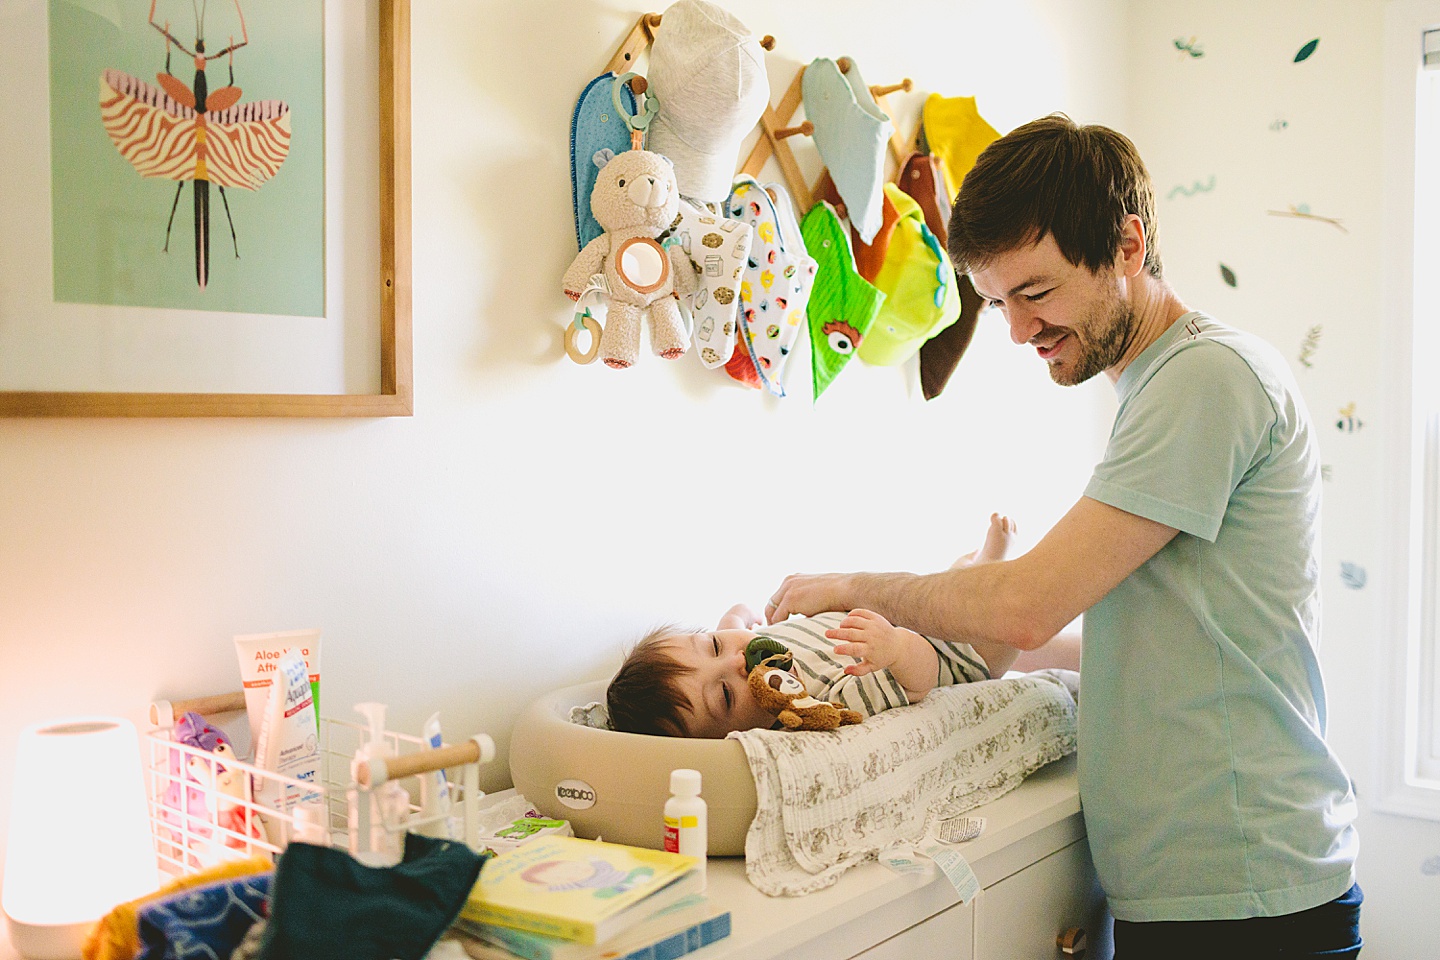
[206, 922]
[850, 133]
[594, 127]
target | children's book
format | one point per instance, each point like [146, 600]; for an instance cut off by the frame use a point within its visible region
[683, 927]
[582, 890]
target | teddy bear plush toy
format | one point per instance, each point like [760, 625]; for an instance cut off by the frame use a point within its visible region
[777, 690]
[636, 200]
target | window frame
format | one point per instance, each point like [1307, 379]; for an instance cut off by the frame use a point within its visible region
[1409, 754]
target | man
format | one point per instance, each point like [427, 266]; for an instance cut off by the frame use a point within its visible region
[1219, 820]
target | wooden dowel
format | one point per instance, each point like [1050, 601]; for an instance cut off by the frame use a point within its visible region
[205, 706]
[805, 129]
[905, 85]
[479, 749]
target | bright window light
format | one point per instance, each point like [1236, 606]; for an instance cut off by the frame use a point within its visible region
[1408, 754]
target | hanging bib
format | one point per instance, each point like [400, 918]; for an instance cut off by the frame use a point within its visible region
[642, 265]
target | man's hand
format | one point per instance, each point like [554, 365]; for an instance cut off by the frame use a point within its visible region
[809, 594]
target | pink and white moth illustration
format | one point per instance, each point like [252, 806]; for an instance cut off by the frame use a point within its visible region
[176, 132]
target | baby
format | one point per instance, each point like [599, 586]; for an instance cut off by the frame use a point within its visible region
[679, 683]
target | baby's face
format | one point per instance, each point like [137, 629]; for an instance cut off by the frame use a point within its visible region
[717, 687]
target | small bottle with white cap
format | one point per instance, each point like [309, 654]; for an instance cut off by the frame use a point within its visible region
[685, 830]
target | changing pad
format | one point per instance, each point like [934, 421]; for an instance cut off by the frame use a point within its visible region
[829, 801]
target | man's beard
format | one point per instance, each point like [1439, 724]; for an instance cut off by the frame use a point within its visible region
[1101, 343]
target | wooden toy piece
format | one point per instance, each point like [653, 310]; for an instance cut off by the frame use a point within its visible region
[572, 349]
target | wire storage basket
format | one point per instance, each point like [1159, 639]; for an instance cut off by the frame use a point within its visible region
[203, 806]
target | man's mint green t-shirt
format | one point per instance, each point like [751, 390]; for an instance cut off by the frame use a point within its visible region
[1208, 789]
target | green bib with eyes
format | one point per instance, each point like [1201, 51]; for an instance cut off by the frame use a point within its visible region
[843, 304]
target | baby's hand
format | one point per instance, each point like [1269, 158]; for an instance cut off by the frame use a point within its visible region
[738, 617]
[870, 638]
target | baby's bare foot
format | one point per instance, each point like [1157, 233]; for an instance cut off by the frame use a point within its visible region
[997, 539]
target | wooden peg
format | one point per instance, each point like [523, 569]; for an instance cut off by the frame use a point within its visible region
[768, 145]
[904, 85]
[805, 129]
[652, 20]
[844, 63]
[641, 36]
[767, 42]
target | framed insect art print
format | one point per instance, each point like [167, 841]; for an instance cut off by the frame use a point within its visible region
[205, 208]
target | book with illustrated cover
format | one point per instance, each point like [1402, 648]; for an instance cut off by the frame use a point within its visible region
[582, 890]
[683, 927]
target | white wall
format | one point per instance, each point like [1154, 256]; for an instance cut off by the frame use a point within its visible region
[1194, 118]
[534, 517]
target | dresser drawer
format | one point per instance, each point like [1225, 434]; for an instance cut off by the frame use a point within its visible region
[1019, 917]
[949, 935]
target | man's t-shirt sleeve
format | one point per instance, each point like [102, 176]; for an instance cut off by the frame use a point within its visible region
[1185, 439]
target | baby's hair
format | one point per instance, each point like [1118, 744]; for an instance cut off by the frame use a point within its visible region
[644, 696]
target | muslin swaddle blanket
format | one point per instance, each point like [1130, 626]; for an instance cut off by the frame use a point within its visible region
[829, 801]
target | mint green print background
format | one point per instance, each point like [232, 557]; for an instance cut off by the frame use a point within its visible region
[109, 222]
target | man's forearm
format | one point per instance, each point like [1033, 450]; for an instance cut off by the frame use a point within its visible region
[970, 604]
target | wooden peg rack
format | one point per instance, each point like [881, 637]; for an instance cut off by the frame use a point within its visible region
[775, 128]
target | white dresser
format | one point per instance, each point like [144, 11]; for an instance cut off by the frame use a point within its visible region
[1036, 882]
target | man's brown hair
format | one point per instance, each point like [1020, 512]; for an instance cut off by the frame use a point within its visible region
[1053, 176]
[644, 697]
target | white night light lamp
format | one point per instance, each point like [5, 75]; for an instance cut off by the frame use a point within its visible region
[79, 840]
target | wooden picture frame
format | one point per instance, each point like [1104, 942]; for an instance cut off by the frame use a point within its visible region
[395, 394]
